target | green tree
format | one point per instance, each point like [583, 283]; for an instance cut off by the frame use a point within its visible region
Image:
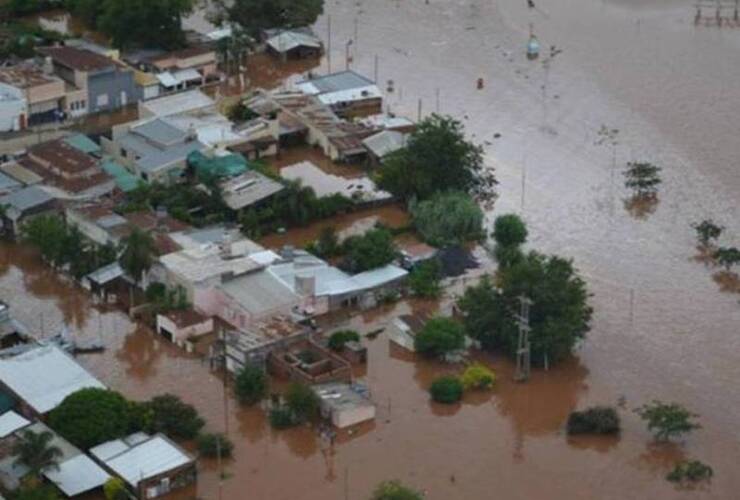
[91, 416]
[643, 178]
[707, 231]
[394, 490]
[667, 420]
[256, 15]
[48, 233]
[439, 336]
[559, 317]
[449, 218]
[35, 451]
[173, 417]
[138, 254]
[437, 157]
[690, 471]
[727, 257]
[213, 444]
[509, 230]
[338, 339]
[328, 242]
[251, 385]
[115, 489]
[302, 402]
[425, 278]
[371, 250]
[147, 23]
[446, 390]
[37, 492]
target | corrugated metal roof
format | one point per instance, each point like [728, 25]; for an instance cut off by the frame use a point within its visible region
[384, 143]
[177, 103]
[344, 80]
[160, 132]
[260, 293]
[138, 462]
[106, 274]
[125, 180]
[167, 79]
[26, 198]
[82, 143]
[43, 376]
[289, 40]
[10, 422]
[8, 184]
[20, 173]
[77, 475]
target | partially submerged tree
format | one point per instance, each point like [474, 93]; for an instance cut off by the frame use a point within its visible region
[727, 257]
[478, 377]
[394, 490]
[338, 339]
[690, 471]
[450, 218]
[667, 420]
[707, 231]
[138, 254]
[425, 278]
[440, 336]
[560, 314]
[302, 402]
[173, 417]
[213, 445]
[437, 158]
[251, 385]
[643, 178]
[509, 234]
[446, 390]
[115, 489]
[36, 451]
[594, 420]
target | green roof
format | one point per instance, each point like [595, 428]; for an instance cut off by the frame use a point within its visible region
[125, 180]
[83, 143]
[6, 402]
[230, 165]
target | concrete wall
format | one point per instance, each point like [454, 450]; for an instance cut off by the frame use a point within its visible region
[111, 90]
[181, 335]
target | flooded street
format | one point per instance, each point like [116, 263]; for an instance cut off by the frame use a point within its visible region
[663, 328]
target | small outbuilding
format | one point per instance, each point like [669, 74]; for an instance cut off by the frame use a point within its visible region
[183, 327]
[295, 45]
[345, 404]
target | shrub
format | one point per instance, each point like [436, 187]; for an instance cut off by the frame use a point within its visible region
[210, 444]
[115, 489]
[372, 250]
[450, 218]
[440, 336]
[282, 418]
[596, 420]
[446, 390]
[424, 279]
[338, 339]
[251, 385]
[92, 416]
[394, 490]
[37, 492]
[690, 471]
[477, 376]
[173, 417]
[509, 231]
[667, 420]
[707, 231]
[302, 402]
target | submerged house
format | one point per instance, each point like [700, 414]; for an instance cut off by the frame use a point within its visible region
[348, 93]
[294, 44]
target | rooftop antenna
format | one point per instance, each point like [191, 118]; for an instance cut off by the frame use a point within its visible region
[523, 358]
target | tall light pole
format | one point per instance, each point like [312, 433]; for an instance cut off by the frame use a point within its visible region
[346, 53]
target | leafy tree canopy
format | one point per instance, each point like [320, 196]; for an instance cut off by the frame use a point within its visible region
[449, 218]
[595, 420]
[425, 279]
[667, 420]
[439, 336]
[373, 249]
[509, 230]
[302, 402]
[437, 158]
[338, 339]
[478, 376]
[210, 445]
[446, 390]
[173, 417]
[256, 15]
[91, 416]
[251, 385]
[559, 317]
[394, 490]
[707, 230]
[643, 178]
[727, 257]
[138, 253]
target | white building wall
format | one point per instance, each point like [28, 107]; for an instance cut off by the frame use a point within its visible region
[13, 108]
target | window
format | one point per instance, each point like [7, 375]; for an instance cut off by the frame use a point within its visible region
[102, 100]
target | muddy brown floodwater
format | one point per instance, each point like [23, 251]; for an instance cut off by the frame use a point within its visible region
[663, 328]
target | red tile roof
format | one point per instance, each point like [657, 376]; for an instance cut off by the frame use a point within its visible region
[79, 59]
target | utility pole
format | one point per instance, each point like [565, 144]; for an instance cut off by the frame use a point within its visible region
[355, 34]
[346, 54]
[419, 112]
[523, 358]
[436, 95]
[328, 43]
[375, 69]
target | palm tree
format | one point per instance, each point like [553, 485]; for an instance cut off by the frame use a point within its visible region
[35, 452]
[137, 254]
